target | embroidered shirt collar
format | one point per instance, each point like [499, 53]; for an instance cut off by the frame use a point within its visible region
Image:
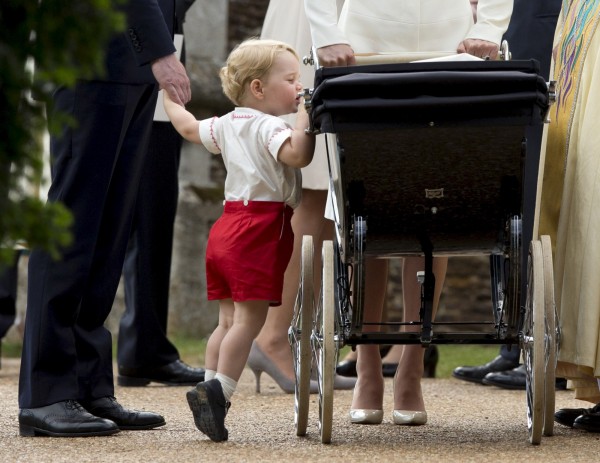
[243, 112]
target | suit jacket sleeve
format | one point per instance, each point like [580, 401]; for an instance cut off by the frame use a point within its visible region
[493, 17]
[149, 32]
[148, 36]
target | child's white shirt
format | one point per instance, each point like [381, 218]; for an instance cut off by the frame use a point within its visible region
[249, 142]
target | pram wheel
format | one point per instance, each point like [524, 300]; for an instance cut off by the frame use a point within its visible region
[533, 342]
[299, 334]
[324, 345]
[550, 336]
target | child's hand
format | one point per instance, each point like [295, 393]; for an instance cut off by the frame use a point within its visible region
[184, 122]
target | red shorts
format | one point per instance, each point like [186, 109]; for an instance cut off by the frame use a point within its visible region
[248, 250]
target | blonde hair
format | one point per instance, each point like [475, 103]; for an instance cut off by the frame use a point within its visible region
[251, 59]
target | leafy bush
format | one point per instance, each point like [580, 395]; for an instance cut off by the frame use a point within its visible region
[66, 41]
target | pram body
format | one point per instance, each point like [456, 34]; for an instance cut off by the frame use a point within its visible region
[428, 159]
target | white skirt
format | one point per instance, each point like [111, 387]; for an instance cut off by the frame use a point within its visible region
[286, 21]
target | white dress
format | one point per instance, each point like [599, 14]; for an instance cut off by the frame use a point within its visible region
[286, 21]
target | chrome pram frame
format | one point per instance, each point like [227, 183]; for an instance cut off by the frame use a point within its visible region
[445, 118]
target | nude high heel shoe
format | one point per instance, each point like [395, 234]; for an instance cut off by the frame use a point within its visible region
[409, 417]
[258, 362]
[365, 416]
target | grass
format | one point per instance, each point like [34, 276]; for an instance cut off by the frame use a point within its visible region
[452, 356]
[192, 352]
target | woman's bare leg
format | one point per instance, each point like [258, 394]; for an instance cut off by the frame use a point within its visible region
[407, 381]
[368, 391]
[394, 354]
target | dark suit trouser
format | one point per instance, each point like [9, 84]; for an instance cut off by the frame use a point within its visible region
[142, 338]
[8, 295]
[67, 351]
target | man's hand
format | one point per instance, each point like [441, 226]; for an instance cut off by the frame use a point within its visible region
[172, 78]
[336, 55]
[480, 48]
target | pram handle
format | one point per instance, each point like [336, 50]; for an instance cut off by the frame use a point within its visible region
[400, 57]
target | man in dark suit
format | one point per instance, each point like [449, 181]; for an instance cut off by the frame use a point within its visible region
[144, 352]
[8, 294]
[66, 383]
[529, 35]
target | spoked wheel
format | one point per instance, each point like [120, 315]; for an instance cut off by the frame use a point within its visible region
[324, 345]
[299, 334]
[533, 342]
[550, 336]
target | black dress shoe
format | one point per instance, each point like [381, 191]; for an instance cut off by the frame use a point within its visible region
[515, 379]
[346, 368]
[209, 407]
[389, 369]
[109, 408]
[63, 419]
[430, 361]
[476, 374]
[568, 416]
[588, 422]
[175, 373]
[561, 384]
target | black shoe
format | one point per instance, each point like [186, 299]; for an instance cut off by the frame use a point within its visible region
[514, 379]
[568, 416]
[430, 361]
[476, 374]
[588, 421]
[209, 408]
[389, 369]
[175, 373]
[346, 368]
[561, 384]
[109, 408]
[63, 419]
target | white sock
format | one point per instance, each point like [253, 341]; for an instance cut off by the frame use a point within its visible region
[209, 374]
[228, 385]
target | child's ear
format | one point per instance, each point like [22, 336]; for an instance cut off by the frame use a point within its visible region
[256, 89]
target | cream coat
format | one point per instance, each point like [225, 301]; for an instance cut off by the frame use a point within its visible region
[406, 25]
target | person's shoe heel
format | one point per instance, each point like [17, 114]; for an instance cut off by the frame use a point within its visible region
[258, 362]
[130, 381]
[430, 361]
[26, 431]
[257, 374]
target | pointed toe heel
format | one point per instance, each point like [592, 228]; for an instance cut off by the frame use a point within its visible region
[365, 416]
[409, 417]
[258, 362]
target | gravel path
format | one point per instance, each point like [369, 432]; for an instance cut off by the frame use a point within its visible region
[467, 423]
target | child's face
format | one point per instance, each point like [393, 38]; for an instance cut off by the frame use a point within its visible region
[281, 85]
